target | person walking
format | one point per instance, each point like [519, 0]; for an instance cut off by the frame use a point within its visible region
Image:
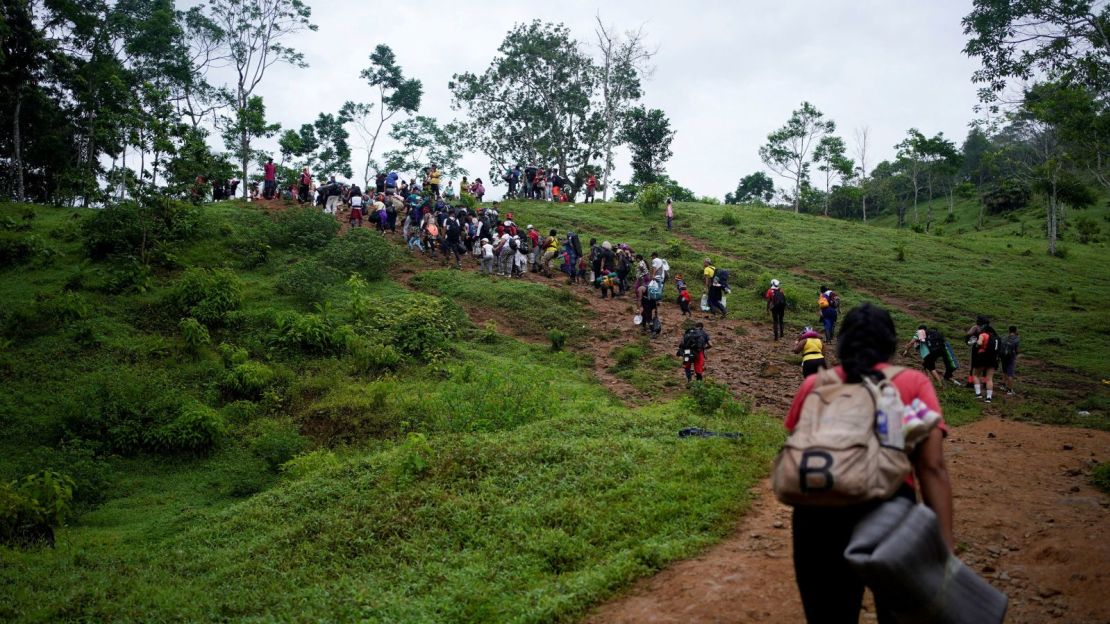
[695, 342]
[828, 304]
[830, 589]
[812, 350]
[269, 179]
[776, 305]
[669, 213]
[304, 187]
[984, 359]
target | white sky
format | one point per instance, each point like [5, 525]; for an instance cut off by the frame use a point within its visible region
[727, 72]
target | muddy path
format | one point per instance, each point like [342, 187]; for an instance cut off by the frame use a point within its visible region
[1027, 518]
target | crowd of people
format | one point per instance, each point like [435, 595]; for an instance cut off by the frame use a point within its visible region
[429, 221]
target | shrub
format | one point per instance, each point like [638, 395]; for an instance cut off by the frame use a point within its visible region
[277, 443]
[675, 249]
[558, 339]
[1088, 230]
[311, 333]
[232, 355]
[248, 380]
[307, 280]
[414, 324]
[304, 228]
[129, 413]
[307, 464]
[651, 198]
[361, 251]
[23, 249]
[254, 251]
[31, 507]
[47, 314]
[90, 473]
[196, 429]
[709, 396]
[372, 357]
[900, 252]
[194, 334]
[628, 356]
[729, 219]
[416, 455]
[134, 228]
[207, 295]
[1007, 196]
[1100, 477]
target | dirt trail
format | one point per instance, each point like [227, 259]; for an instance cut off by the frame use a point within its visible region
[1027, 518]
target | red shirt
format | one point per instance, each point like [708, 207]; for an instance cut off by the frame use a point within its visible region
[271, 171]
[911, 384]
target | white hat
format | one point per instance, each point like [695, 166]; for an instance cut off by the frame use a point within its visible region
[607, 245]
[774, 283]
[530, 227]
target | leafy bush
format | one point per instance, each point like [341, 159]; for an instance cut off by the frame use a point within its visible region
[415, 324]
[651, 198]
[304, 228]
[207, 295]
[709, 396]
[1100, 477]
[18, 249]
[91, 473]
[47, 314]
[729, 219]
[232, 355]
[31, 507]
[135, 228]
[558, 339]
[675, 250]
[277, 443]
[248, 380]
[628, 356]
[372, 357]
[1007, 196]
[129, 413]
[416, 455]
[307, 280]
[254, 251]
[196, 429]
[194, 334]
[360, 251]
[310, 333]
[1088, 230]
[307, 464]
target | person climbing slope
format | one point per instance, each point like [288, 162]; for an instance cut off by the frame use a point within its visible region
[692, 350]
[776, 305]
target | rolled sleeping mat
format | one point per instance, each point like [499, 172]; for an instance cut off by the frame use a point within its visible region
[899, 553]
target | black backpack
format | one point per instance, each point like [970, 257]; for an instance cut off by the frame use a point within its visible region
[694, 340]
[778, 298]
[575, 244]
[452, 227]
[934, 340]
[721, 277]
[993, 343]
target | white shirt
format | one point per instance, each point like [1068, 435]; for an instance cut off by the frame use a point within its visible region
[487, 250]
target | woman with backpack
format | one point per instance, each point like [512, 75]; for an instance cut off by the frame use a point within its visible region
[830, 588]
[984, 359]
[776, 305]
[812, 350]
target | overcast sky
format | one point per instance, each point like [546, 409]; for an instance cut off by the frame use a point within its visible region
[727, 72]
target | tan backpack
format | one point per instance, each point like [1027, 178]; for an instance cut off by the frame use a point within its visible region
[847, 447]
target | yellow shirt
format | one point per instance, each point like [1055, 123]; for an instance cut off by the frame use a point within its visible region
[812, 349]
[433, 178]
[708, 272]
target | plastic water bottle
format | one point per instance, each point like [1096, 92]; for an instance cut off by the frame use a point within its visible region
[882, 427]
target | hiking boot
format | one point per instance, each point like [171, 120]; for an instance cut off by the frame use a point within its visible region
[987, 400]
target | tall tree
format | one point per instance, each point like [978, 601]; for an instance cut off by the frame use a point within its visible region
[1066, 41]
[422, 142]
[624, 60]
[648, 135]
[252, 33]
[754, 187]
[863, 139]
[788, 148]
[535, 102]
[22, 45]
[332, 153]
[248, 124]
[912, 154]
[830, 160]
[396, 94]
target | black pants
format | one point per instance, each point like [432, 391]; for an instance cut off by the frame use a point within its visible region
[778, 316]
[811, 367]
[832, 592]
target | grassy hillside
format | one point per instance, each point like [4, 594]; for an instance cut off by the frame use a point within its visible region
[304, 446]
[265, 420]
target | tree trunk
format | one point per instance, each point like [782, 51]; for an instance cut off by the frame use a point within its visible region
[17, 153]
[863, 203]
[798, 195]
[245, 147]
[1052, 221]
[916, 219]
[826, 196]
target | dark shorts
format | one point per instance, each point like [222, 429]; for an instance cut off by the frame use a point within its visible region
[980, 361]
[811, 367]
[435, 188]
[930, 361]
[1009, 365]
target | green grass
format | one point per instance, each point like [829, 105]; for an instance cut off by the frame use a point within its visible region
[493, 480]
